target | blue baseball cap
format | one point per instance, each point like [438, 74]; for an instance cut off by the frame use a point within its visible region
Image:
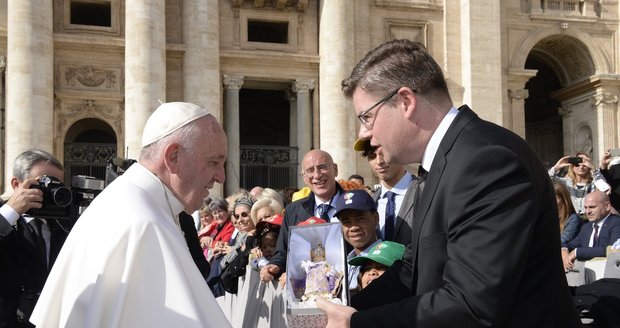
[357, 199]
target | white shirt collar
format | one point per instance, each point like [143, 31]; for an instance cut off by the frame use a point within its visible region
[433, 144]
[153, 186]
[400, 187]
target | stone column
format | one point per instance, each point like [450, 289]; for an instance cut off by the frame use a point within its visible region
[606, 105]
[145, 67]
[201, 63]
[514, 100]
[517, 105]
[30, 79]
[481, 57]
[292, 99]
[337, 119]
[231, 124]
[304, 121]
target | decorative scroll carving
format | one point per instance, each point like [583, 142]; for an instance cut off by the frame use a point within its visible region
[304, 85]
[265, 155]
[518, 94]
[233, 81]
[605, 98]
[90, 106]
[90, 76]
[564, 111]
[90, 153]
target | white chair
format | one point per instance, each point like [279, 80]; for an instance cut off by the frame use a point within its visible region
[576, 276]
[612, 268]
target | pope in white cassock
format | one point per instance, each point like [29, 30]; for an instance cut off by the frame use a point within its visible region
[126, 263]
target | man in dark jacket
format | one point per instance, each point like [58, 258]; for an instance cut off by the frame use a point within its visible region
[319, 172]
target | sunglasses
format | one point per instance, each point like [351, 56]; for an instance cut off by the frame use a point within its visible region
[242, 215]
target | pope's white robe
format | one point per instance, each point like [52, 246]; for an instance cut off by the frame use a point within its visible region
[126, 264]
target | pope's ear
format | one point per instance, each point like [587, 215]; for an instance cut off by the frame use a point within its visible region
[171, 157]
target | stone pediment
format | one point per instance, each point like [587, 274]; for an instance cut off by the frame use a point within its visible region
[299, 5]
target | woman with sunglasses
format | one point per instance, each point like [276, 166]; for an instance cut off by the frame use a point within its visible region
[581, 178]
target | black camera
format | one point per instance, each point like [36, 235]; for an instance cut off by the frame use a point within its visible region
[575, 160]
[57, 199]
[85, 189]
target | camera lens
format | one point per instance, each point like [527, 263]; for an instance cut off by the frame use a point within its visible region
[62, 196]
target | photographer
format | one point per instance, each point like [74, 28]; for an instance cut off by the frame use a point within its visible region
[28, 245]
[580, 180]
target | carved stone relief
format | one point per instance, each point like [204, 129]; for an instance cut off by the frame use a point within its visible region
[90, 78]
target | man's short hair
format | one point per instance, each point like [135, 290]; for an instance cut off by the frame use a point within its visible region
[395, 64]
[25, 161]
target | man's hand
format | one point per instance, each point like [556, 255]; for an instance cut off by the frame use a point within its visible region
[24, 198]
[566, 259]
[337, 315]
[268, 272]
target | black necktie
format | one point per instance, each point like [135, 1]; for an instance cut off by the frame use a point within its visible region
[595, 241]
[324, 211]
[419, 187]
[36, 225]
[390, 215]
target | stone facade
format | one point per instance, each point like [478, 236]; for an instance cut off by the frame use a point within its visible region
[70, 77]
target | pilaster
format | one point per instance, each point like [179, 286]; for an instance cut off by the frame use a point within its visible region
[233, 84]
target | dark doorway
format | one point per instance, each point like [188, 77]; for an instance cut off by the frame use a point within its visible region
[543, 124]
[266, 158]
[89, 146]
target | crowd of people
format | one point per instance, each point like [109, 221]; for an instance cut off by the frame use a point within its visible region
[464, 242]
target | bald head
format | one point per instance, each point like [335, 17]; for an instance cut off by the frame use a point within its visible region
[596, 205]
[319, 172]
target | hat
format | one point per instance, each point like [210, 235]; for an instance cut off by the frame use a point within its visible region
[357, 199]
[311, 220]
[275, 220]
[301, 193]
[169, 117]
[361, 144]
[385, 252]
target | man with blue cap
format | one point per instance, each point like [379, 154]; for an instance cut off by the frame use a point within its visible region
[357, 212]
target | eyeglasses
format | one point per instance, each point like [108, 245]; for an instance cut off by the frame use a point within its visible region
[321, 168]
[363, 115]
[242, 215]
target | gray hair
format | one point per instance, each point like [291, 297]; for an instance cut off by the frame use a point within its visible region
[25, 161]
[218, 203]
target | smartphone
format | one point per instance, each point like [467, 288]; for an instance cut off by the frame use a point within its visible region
[614, 152]
[575, 160]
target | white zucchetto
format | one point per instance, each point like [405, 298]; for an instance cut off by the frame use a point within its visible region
[169, 117]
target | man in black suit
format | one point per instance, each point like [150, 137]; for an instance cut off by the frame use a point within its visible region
[602, 230]
[484, 249]
[28, 246]
[319, 172]
[395, 181]
[612, 175]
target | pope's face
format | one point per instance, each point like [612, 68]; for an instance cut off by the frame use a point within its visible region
[201, 165]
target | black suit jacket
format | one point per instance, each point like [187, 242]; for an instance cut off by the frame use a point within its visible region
[610, 232]
[186, 222]
[612, 175]
[297, 211]
[485, 241]
[22, 264]
[404, 218]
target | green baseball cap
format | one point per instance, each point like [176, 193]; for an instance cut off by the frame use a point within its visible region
[385, 252]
